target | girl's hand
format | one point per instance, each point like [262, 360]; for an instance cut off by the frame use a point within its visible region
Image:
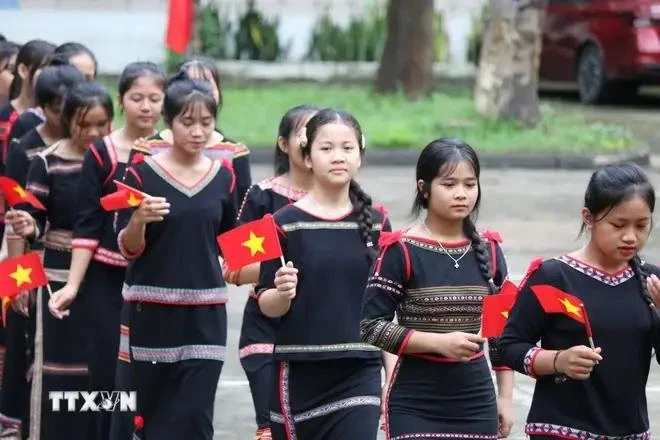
[21, 222]
[286, 281]
[504, 416]
[151, 209]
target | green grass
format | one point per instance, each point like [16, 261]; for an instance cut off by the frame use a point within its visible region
[251, 114]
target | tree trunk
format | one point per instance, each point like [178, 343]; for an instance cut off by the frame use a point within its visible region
[407, 59]
[507, 81]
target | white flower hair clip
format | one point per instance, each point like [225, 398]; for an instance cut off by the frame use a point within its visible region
[302, 138]
[363, 141]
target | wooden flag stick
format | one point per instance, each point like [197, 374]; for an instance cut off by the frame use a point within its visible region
[282, 260]
[50, 291]
[587, 326]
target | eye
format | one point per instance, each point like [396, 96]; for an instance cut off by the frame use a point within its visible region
[617, 225]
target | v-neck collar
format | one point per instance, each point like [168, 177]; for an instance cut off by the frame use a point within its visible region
[189, 191]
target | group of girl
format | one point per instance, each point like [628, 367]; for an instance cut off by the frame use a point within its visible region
[353, 296]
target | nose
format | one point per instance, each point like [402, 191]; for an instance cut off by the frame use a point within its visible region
[196, 131]
[460, 192]
[144, 105]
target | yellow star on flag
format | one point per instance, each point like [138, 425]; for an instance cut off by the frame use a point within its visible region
[255, 244]
[132, 200]
[570, 307]
[505, 314]
[20, 191]
[22, 275]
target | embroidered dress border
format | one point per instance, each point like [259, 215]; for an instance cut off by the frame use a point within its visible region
[111, 258]
[446, 435]
[289, 227]
[58, 239]
[285, 403]
[352, 346]
[164, 295]
[283, 190]
[598, 275]
[328, 408]
[124, 354]
[567, 433]
[188, 191]
[178, 354]
[251, 349]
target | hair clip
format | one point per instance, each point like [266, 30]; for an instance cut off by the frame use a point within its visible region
[364, 142]
[370, 244]
[302, 138]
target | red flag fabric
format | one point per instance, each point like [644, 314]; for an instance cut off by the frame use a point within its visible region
[495, 313]
[20, 274]
[554, 300]
[250, 243]
[15, 194]
[124, 197]
[179, 25]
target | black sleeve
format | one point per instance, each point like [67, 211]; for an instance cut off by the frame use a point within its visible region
[38, 184]
[241, 164]
[123, 216]
[501, 273]
[229, 208]
[18, 163]
[251, 207]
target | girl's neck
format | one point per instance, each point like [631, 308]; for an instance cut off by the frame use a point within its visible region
[22, 102]
[48, 135]
[330, 198]
[591, 255]
[131, 133]
[68, 149]
[444, 230]
[299, 179]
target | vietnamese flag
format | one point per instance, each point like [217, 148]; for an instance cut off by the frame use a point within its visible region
[250, 243]
[20, 274]
[179, 25]
[554, 300]
[495, 313]
[15, 194]
[124, 197]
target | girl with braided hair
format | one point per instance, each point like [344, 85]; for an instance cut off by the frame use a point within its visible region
[584, 393]
[326, 381]
[434, 277]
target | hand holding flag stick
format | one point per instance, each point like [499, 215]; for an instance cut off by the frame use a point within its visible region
[20, 274]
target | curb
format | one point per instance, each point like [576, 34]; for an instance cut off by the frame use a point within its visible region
[408, 157]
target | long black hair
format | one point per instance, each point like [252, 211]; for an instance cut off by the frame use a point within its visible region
[84, 96]
[133, 71]
[290, 123]
[33, 54]
[181, 93]
[362, 203]
[201, 66]
[54, 82]
[440, 158]
[611, 185]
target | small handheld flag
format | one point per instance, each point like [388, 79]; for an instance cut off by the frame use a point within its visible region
[496, 310]
[15, 194]
[252, 242]
[124, 197]
[20, 274]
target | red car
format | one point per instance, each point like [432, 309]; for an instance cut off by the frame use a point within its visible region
[605, 47]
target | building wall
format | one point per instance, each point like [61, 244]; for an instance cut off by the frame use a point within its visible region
[121, 31]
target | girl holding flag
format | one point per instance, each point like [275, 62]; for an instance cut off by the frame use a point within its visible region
[97, 268]
[290, 184]
[326, 382]
[54, 176]
[435, 277]
[595, 392]
[177, 315]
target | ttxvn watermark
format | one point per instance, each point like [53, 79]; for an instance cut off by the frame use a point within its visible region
[82, 401]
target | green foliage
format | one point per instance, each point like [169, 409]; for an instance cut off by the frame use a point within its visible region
[256, 37]
[172, 60]
[214, 32]
[362, 40]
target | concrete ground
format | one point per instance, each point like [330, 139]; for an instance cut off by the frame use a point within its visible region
[537, 213]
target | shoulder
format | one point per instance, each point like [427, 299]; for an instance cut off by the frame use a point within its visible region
[221, 141]
[550, 271]
[147, 146]
[287, 214]
[6, 112]
[650, 269]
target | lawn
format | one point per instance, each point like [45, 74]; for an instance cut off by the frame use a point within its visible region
[251, 114]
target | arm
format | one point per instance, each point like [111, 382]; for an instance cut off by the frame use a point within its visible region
[271, 302]
[17, 168]
[38, 183]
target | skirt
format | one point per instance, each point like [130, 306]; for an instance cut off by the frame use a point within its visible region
[429, 399]
[326, 400]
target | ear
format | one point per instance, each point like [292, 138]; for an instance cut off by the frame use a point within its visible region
[421, 187]
[23, 71]
[282, 144]
[308, 161]
[587, 218]
[359, 162]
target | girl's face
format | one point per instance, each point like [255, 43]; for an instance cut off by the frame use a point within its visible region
[195, 72]
[143, 102]
[453, 195]
[6, 77]
[334, 155]
[85, 64]
[622, 232]
[291, 145]
[192, 129]
[53, 112]
[87, 125]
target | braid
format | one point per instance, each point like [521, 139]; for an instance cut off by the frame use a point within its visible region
[362, 206]
[480, 253]
[640, 273]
